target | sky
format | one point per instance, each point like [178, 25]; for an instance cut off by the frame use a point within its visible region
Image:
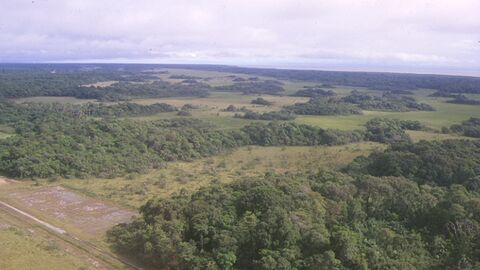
[419, 36]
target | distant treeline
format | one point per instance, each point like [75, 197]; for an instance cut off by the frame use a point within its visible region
[59, 81]
[11, 113]
[372, 80]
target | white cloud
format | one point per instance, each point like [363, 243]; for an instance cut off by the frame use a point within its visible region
[408, 35]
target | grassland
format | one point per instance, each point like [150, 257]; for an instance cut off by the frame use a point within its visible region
[445, 115]
[5, 132]
[134, 190]
[24, 247]
[48, 99]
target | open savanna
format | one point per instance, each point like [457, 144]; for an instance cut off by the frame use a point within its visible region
[213, 78]
[445, 115]
[134, 190]
[221, 100]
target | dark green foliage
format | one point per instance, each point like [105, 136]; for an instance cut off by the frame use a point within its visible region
[261, 101]
[324, 106]
[288, 133]
[61, 140]
[386, 102]
[270, 87]
[184, 113]
[61, 146]
[270, 116]
[70, 80]
[469, 128]
[11, 113]
[443, 94]
[51, 80]
[386, 130]
[324, 220]
[462, 99]
[313, 92]
[308, 221]
[232, 108]
[440, 162]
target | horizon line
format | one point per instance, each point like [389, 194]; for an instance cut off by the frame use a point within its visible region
[278, 67]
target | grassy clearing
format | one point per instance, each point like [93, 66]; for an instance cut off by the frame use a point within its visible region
[101, 84]
[26, 248]
[4, 135]
[446, 114]
[135, 190]
[220, 100]
[430, 136]
[49, 99]
[6, 131]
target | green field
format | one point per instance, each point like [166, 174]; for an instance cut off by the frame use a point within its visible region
[134, 190]
[27, 248]
[445, 115]
[48, 99]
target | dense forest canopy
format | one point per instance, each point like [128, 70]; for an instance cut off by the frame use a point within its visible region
[270, 87]
[324, 106]
[386, 102]
[61, 140]
[313, 91]
[425, 216]
[76, 81]
[11, 113]
[387, 130]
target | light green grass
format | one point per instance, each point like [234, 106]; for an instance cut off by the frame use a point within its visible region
[48, 99]
[418, 135]
[4, 135]
[445, 115]
[6, 131]
[135, 190]
[23, 249]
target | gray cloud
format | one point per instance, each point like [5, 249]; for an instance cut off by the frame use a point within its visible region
[397, 35]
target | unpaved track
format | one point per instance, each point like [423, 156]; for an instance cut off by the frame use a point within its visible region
[110, 259]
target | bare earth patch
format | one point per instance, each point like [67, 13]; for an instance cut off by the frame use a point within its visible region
[5, 181]
[100, 84]
[89, 215]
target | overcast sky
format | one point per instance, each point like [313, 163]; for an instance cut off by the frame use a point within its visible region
[433, 36]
